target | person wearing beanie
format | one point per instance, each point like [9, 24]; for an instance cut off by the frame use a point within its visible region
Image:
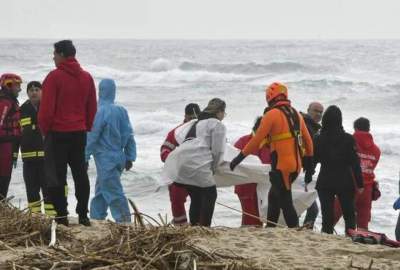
[247, 193]
[66, 113]
[283, 128]
[193, 164]
[32, 152]
[340, 174]
[113, 146]
[10, 129]
[178, 194]
[369, 154]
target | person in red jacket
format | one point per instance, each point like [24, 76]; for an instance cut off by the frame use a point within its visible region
[10, 129]
[247, 193]
[178, 194]
[66, 113]
[369, 155]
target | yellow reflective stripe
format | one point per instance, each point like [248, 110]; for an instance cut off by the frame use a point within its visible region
[32, 154]
[32, 204]
[50, 213]
[275, 138]
[66, 191]
[36, 209]
[25, 121]
[15, 155]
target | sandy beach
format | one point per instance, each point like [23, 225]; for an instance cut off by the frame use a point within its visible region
[273, 248]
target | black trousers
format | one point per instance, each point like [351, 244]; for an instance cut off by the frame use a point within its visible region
[33, 172]
[64, 149]
[202, 204]
[346, 200]
[312, 214]
[280, 198]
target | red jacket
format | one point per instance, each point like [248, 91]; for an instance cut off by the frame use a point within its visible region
[10, 129]
[263, 154]
[169, 144]
[369, 155]
[68, 99]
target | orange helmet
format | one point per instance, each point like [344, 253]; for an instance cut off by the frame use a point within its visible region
[9, 78]
[274, 90]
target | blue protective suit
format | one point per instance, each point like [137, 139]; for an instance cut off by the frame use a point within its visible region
[111, 142]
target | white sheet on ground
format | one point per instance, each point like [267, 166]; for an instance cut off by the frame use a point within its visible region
[251, 170]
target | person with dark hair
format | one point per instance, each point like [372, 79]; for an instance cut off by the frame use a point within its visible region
[32, 152]
[283, 128]
[247, 193]
[66, 113]
[113, 146]
[369, 154]
[340, 173]
[10, 129]
[312, 119]
[196, 160]
[178, 194]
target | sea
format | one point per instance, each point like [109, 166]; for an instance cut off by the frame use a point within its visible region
[157, 78]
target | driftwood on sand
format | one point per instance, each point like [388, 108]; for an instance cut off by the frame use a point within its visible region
[152, 245]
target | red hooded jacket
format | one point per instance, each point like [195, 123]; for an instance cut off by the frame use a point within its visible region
[68, 99]
[263, 154]
[369, 155]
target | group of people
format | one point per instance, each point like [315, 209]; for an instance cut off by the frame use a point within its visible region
[61, 124]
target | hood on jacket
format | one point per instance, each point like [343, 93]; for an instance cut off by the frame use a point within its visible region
[363, 139]
[71, 66]
[107, 90]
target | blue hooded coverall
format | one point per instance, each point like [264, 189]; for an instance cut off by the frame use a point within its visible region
[111, 142]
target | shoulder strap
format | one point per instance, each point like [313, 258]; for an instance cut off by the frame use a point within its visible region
[192, 132]
[293, 120]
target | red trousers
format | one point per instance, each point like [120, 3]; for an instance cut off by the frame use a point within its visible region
[6, 160]
[249, 204]
[363, 205]
[177, 196]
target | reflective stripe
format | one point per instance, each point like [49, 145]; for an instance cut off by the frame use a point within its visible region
[15, 155]
[35, 207]
[277, 137]
[50, 213]
[32, 154]
[25, 121]
[36, 203]
[169, 145]
[66, 191]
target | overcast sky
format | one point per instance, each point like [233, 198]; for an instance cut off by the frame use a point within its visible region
[200, 19]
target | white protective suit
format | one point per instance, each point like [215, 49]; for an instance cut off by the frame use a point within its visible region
[196, 160]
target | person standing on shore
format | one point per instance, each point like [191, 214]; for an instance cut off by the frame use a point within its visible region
[247, 193]
[113, 146]
[10, 129]
[66, 113]
[312, 120]
[340, 173]
[178, 194]
[193, 164]
[291, 146]
[32, 152]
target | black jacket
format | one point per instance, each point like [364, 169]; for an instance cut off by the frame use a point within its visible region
[31, 140]
[340, 164]
[313, 128]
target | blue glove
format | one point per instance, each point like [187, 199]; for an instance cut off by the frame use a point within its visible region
[396, 204]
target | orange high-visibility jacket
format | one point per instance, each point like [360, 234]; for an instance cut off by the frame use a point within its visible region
[274, 127]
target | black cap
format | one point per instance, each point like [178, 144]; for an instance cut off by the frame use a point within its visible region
[33, 84]
[362, 124]
[65, 48]
[192, 109]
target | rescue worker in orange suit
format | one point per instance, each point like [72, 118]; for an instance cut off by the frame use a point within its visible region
[291, 150]
[369, 155]
[247, 193]
[10, 129]
[32, 152]
[178, 194]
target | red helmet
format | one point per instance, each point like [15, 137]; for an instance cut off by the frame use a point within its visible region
[9, 78]
[274, 90]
